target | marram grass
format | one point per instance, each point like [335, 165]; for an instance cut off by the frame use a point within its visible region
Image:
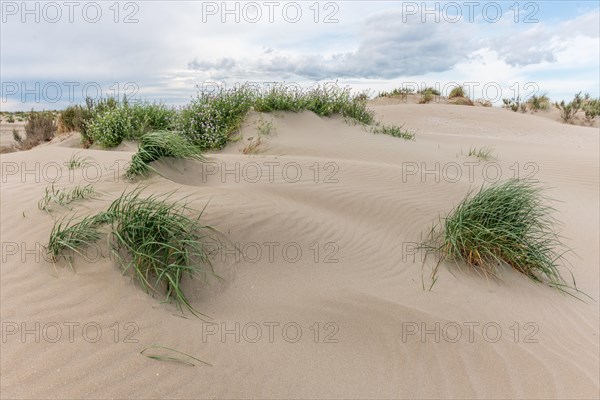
[156, 145]
[69, 237]
[484, 153]
[508, 223]
[64, 197]
[155, 239]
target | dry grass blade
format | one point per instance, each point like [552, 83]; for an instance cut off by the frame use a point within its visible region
[171, 358]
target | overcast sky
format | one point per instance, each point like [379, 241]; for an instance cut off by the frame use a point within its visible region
[54, 53]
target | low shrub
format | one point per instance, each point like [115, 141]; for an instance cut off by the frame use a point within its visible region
[110, 126]
[210, 119]
[591, 107]
[40, 127]
[569, 110]
[541, 102]
[513, 104]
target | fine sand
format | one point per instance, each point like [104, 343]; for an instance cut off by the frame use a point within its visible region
[346, 318]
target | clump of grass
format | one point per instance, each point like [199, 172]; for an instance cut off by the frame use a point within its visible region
[153, 238]
[458, 91]
[397, 92]
[425, 98]
[484, 153]
[428, 94]
[147, 117]
[280, 98]
[505, 224]
[161, 243]
[356, 111]
[10, 119]
[431, 90]
[393, 130]
[541, 102]
[64, 197]
[322, 100]
[76, 162]
[156, 145]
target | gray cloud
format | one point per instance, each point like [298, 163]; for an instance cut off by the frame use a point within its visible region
[224, 64]
[389, 48]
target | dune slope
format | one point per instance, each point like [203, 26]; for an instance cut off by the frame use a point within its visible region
[326, 299]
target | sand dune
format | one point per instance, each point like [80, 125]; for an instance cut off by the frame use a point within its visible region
[346, 317]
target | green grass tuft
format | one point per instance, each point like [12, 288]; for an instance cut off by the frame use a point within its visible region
[76, 162]
[153, 238]
[505, 224]
[156, 145]
[64, 197]
[393, 130]
[484, 153]
[458, 91]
